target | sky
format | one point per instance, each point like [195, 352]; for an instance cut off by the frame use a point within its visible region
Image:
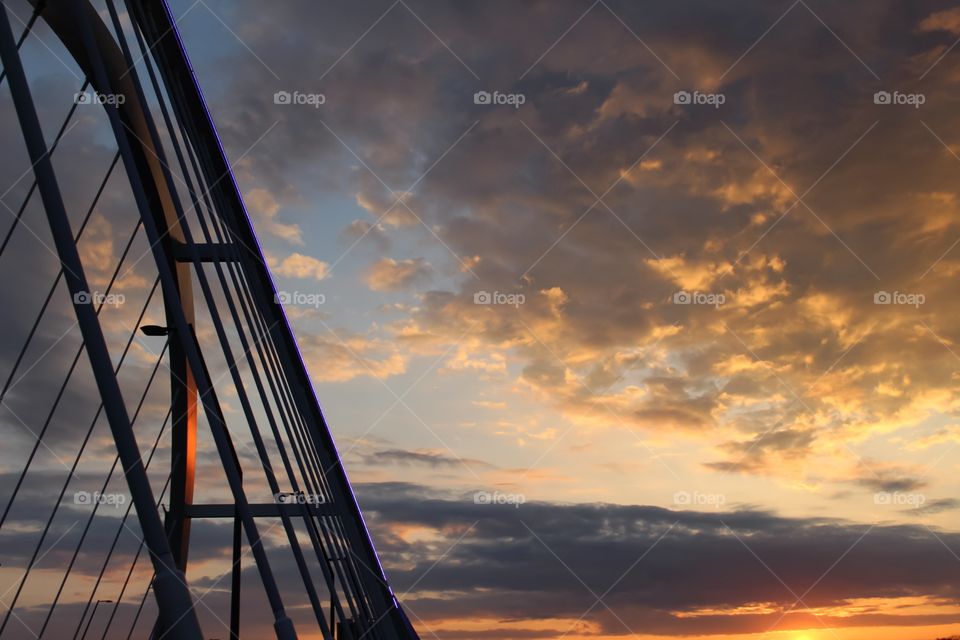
[630, 319]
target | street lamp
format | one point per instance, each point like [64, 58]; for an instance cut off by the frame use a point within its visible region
[93, 613]
[155, 330]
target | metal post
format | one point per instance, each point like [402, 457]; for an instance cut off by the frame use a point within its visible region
[87, 628]
[235, 580]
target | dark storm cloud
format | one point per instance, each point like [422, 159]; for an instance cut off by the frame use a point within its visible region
[509, 563]
[939, 506]
[405, 457]
[891, 480]
[543, 560]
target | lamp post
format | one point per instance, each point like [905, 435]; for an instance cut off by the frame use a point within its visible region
[93, 613]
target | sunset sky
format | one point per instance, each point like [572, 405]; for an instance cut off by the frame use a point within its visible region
[714, 393]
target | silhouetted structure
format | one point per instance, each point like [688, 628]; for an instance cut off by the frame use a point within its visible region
[200, 237]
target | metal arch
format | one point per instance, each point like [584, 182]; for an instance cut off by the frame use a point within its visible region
[157, 21]
[59, 16]
[97, 53]
[170, 588]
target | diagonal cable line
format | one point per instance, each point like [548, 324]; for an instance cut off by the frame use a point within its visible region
[149, 50]
[27, 30]
[210, 188]
[10, 382]
[199, 600]
[26, 27]
[51, 548]
[418, 580]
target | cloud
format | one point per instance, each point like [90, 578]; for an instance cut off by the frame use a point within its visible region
[362, 230]
[889, 478]
[428, 458]
[947, 20]
[938, 506]
[388, 274]
[948, 434]
[671, 569]
[766, 452]
[490, 404]
[793, 377]
[297, 265]
[266, 209]
[344, 355]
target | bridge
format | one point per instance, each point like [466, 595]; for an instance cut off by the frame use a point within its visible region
[193, 370]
